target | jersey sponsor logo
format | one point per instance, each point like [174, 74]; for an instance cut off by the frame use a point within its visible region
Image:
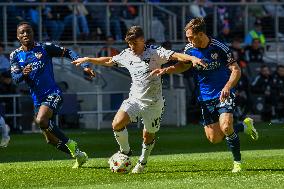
[21, 60]
[37, 65]
[38, 55]
[214, 56]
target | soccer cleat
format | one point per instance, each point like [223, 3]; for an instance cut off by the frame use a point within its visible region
[73, 148]
[81, 158]
[237, 167]
[249, 129]
[139, 168]
[4, 142]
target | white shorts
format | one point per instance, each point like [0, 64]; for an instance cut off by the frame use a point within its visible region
[151, 115]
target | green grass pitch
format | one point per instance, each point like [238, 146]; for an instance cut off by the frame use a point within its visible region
[182, 158]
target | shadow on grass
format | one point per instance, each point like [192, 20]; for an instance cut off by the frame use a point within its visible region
[169, 140]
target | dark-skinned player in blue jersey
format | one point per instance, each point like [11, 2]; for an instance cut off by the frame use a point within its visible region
[215, 88]
[32, 63]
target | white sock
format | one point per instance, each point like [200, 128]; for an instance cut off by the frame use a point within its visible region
[146, 151]
[5, 131]
[122, 140]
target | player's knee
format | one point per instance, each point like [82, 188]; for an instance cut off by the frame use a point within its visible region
[117, 125]
[215, 139]
[41, 122]
[148, 138]
[227, 130]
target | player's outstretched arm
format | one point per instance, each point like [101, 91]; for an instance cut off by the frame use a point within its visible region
[188, 59]
[104, 61]
[174, 69]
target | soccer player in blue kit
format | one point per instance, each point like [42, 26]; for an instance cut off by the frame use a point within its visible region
[215, 88]
[32, 63]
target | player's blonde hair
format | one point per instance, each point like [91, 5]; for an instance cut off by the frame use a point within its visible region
[196, 25]
[133, 33]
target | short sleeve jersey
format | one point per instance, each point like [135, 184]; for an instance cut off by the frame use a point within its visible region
[211, 80]
[145, 89]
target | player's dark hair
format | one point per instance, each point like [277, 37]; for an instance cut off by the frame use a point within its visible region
[196, 25]
[24, 23]
[133, 33]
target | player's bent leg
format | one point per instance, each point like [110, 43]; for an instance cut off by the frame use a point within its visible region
[232, 139]
[56, 137]
[213, 133]
[119, 123]
[45, 122]
[147, 147]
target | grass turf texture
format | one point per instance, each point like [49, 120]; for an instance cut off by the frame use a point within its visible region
[182, 158]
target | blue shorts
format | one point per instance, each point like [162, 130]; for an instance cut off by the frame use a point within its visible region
[212, 109]
[53, 101]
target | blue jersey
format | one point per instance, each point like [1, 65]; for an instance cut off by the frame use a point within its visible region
[41, 79]
[211, 80]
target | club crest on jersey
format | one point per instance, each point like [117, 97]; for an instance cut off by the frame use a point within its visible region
[214, 56]
[38, 55]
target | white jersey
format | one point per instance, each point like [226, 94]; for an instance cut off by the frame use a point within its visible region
[146, 89]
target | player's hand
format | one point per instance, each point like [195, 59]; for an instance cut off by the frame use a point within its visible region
[27, 70]
[90, 73]
[197, 61]
[158, 72]
[80, 61]
[225, 93]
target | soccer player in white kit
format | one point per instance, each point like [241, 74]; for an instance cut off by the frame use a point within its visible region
[145, 98]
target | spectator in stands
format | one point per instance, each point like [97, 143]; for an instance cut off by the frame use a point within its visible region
[256, 32]
[14, 15]
[157, 30]
[238, 52]
[53, 25]
[97, 20]
[108, 50]
[255, 12]
[4, 62]
[273, 10]
[116, 24]
[262, 86]
[197, 8]
[80, 11]
[254, 52]
[278, 95]
[225, 35]
[63, 14]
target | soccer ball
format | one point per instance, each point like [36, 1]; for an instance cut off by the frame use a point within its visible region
[119, 163]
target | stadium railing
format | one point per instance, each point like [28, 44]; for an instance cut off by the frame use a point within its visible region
[104, 18]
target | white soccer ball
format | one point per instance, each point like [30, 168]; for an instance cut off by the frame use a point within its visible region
[119, 163]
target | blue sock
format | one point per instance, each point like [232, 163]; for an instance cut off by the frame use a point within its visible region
[233, 143]
[54, 129]
[239, 128]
